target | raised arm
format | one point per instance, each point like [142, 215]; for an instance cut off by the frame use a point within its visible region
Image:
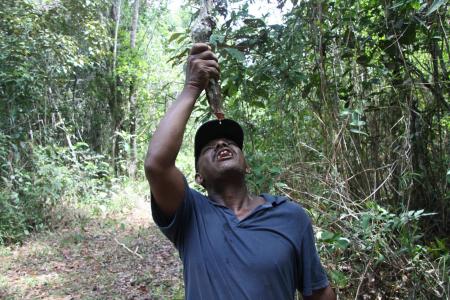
[165, 179]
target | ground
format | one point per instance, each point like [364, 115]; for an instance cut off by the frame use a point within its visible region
[105, 256]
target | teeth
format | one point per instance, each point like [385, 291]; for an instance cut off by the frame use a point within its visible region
[224, 153]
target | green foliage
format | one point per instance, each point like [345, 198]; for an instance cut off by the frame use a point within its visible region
[35, 179]
[345, 108]
[264, 173]
[41, 55]
[66, 116]
[371, 249]
[344, 105]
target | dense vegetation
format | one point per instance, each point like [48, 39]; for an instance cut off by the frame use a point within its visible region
[344, 103]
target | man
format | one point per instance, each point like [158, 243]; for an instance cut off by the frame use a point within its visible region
[233, 245]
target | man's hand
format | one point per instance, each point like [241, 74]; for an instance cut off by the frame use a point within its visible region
[323, 294]
[166, 181]
[201, 66]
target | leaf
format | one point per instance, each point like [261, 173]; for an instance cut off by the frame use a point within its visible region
[254, 23]
[363, 60]
[345, 113]
[281, 185]
[357, 131]
[81, 145]
[236, 54]
[358, 111]
[175, 35]
[435, 6]
[397, 5]
[276, 27]
[339, 278]
[365, 221]
[275, 170]
[358, 123]
[325, 236]
[409, 35]
[342, 243]
[262, 93]
[258, 104]
[388, 46]
[347, 53]
[178, 58]
[216, 39]
[415, 5]
[380, 259]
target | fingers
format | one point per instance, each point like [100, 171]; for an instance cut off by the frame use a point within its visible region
[213, 73]
[211, 67]
[202, 66]
[199, 48]
[204, 60]
[207, 55]
[203, 51]
[212, 64]
[203, 56]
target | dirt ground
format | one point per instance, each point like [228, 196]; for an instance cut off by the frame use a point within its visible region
[120, 256]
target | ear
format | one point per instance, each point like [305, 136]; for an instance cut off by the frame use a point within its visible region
[198, 178]
[248, 170]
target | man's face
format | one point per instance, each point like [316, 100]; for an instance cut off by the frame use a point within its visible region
[219, 157]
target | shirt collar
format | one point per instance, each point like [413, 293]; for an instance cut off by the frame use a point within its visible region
[274, 200]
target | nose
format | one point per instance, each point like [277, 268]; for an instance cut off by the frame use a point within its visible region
[221, 143]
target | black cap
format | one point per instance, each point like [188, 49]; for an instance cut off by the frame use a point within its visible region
[216, 129]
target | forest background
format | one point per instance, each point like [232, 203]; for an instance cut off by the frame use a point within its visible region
[344, 104]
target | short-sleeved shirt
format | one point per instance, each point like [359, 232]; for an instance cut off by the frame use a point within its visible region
[266, 255]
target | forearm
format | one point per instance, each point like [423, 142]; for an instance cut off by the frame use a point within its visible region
[168, 137]
[166, 142]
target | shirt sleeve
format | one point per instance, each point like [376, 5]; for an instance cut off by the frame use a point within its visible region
[173, 227]
[312, 275]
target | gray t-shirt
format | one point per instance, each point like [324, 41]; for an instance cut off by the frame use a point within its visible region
[267, 255]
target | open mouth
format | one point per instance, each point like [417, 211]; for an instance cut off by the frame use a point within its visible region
[224, 154]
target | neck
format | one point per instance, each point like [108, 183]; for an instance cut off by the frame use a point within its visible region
[232, 193]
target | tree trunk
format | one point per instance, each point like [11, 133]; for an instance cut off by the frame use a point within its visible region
[115, 102]
[133, 96]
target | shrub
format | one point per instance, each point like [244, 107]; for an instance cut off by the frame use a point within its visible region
[369, 248]
[35, 179]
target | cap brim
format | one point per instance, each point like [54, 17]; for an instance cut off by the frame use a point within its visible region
[216, 129]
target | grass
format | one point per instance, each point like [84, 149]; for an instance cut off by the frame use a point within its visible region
[87, 259]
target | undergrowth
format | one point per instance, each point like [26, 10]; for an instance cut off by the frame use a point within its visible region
[38, 182]
[369, 248]
[369, 251]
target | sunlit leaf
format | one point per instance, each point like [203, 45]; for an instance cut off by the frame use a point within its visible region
[175, 35]
[357, 123]
[345, 113]
[435, 6]
[357, 131]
